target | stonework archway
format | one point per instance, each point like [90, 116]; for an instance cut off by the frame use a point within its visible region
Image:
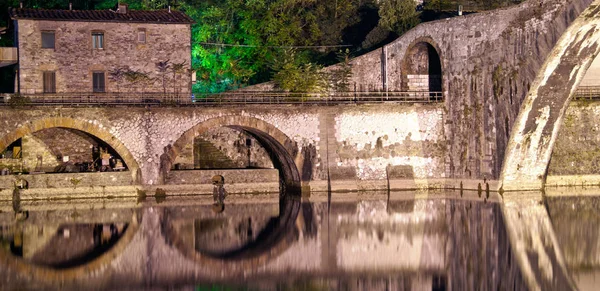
[281, 148]
[422, 66]
[63, 276]
[81, 125]
[538, 123]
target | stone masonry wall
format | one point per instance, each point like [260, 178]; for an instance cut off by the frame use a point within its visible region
[33, 148]
[232, 144]
[70, 180]
[577, 148]
[74, 60]
[488, 61]
[64, 142]
[366, 142]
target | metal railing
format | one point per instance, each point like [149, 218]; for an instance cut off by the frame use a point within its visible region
[587, 93]
[227, 98]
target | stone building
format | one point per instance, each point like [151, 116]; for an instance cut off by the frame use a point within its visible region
[102, 52]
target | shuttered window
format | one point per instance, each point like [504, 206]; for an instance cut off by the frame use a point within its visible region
[98, 82]
[49, 82]
[142, 35]
[47, 39]
[98, 40]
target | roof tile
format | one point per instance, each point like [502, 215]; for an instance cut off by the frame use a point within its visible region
[153, 16]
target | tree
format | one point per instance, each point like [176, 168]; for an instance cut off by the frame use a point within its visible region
[162, 68]
[398, 15]
[294, 74]
[339, 78]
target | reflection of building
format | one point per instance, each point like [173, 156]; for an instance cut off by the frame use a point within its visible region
[75, 51]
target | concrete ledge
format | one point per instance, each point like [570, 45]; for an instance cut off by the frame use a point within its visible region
[404, 184]
[232, 176]
[573, 180]
[69, 180]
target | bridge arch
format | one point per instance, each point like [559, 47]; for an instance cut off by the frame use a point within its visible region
[536, 128]
[422, 66]
[282, 150]
[278, 236]
[73, 274]
[81, 125]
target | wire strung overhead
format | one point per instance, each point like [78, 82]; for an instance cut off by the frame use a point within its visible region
[273, 46]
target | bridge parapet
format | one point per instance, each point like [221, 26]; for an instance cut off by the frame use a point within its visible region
[228, 98]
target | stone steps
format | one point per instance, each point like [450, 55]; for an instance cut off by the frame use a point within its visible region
[207, 156]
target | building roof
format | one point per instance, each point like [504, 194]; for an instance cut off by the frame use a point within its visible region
[137, 16]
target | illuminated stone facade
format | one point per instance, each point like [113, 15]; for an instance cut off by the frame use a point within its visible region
[81, 48]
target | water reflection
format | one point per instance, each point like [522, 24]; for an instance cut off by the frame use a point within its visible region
[60, 246]
[347, 241]
[576, 222]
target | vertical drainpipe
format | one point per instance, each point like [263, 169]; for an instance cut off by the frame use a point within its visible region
[16, 42]
[384, 68]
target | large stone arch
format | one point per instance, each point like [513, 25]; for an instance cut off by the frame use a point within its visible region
[283, 151]
[81, 125]
[270, 243]
[434, 65]
[538, 123]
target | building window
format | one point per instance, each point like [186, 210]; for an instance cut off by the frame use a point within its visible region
[142, 35]
[98, 40]
[49, 82]
[48, 39]
[98, 82]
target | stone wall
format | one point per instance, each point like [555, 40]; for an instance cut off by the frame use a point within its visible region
[577, 148]
[352, 142]
[32, 148]
[70, 180]
[488, 62]
[203, 177]
[65, 142]
[231, 144]
[74, 60]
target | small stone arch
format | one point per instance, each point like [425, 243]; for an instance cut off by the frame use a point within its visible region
[283, 151]
[81, 125]
[536, 128]
[73, 275]
[422, 66]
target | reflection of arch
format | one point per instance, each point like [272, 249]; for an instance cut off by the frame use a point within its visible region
[70, 275]
[536, 127]
[280, 147]
[269, 244]
[422, 66]
[81, 125]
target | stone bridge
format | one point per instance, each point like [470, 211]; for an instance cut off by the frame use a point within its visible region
[490, 66]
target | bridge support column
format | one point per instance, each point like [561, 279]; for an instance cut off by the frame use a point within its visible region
[537, 125]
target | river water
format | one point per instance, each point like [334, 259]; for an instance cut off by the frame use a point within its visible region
[410, 240]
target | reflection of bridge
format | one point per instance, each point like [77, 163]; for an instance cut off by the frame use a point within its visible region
[403, 236]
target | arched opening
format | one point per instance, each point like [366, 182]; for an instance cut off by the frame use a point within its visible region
[234, 142]
[60, 150]
[536, 128]
[422, 68]
[576, 151]
[245, 236]
[61, 246]
[50, 247]
[63, 145]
